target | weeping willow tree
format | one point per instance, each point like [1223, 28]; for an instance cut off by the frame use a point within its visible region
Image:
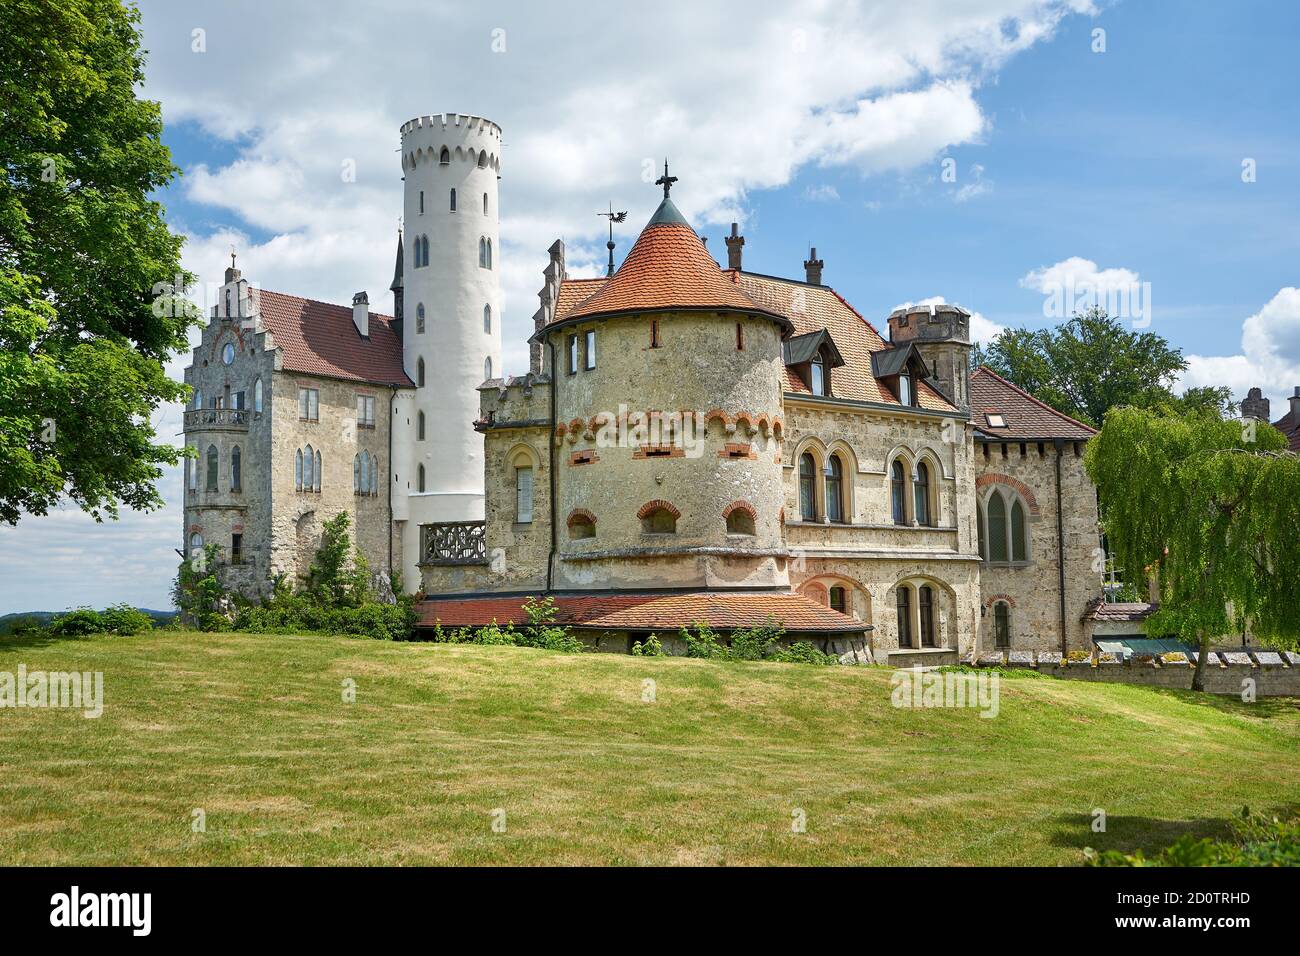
[1211, 508]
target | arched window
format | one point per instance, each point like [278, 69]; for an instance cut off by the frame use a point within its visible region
[318, 473]
[922, 494]
[196, 544]
[419, 478]
[419, 318]
[904, 596]
[357, 474]
[211, 484]
[308, 469]
[198, 398]
[818, 375]
[482, 160]
[487, 319]
[898, 491]
[452, 203]
[807, 487]
[979, 525]
[236, 469]
[925, 608]
[659, 521]
[487, 368]
[997, 534]
[229, 311]
[485, 204]
[444, 157]
[1002, 624]
[419, 372]
[740, 521]
[581, 526]
[834, 489]
[839, 599]
[257, 396]
[489, 253]
[523, 493]
[192, 473]
[297, 470]
[424, 249]
[1017, 531]
[419, 426]
[482, 252]
[374, 474]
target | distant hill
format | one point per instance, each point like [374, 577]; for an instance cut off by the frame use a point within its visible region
[7, 621]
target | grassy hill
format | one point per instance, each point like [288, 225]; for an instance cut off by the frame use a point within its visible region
[253, 730]
[7, 621]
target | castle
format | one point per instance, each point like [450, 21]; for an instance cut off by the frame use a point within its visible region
[691, 443]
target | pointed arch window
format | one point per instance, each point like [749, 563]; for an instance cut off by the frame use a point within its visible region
[213, 467]
[308, 469]
[444, 157]
[485, 204]
[198, 398]
[818, 375]
[487, 319]
[834, 489]
[236, 469]
[482, 252]
[1018, 551]
[318, 473]
[807, 487]
[419, 426]
[451, 204]
[419, 318]
[997, 533]
[297, 470]
[374, 474]
[898, 491]
[524, 493]
[921, 487]
[419, 372]
[419, 479]
[358, 471]
[487, 368]
[979, 527]
[257, 396]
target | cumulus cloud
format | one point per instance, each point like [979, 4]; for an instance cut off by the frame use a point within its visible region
[823, 193]
[982, 330]
[1078, 273]
[1269, 357]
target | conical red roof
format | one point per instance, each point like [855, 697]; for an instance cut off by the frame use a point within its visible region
[667, 268]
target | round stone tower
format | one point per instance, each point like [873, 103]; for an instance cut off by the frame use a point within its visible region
[451, 319]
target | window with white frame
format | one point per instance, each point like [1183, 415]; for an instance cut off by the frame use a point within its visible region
[365, 411]
[309, 404]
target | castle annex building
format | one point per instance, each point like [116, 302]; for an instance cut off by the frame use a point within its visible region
[691, 443]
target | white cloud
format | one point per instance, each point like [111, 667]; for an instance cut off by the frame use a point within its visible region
[1078, 273]
[1269, 357]
[977, 186]
[823, 193]
[982, 330]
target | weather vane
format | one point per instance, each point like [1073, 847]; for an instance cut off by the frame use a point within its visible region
[613, 217]
[665, 180]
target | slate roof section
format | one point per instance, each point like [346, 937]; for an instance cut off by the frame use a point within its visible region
[318, 338]
[722, 611]
[1027, 418]
[801, 348]
[1289, 426]
[1099, 610]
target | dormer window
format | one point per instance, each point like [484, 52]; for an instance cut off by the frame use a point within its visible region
[818, 375]
[905, 395]
[811, 357]
[996, 420]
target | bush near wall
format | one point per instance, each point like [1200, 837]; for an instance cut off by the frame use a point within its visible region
[1257, 841]
[121, 619]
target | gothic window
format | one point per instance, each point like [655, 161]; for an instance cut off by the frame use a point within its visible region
[818, 375]
[489, 253]
[297, 470]
[308, 469]
[228, 309]
[979, 525]
[807, 487]
[419, 426]
[898, 491]
[444, 157]
[1002, 624]
[419, 319]
[925, 607]
[659, 521]
[997, 533]
[192, 473]
[236, 469]
[839, 600]
[922, 494]
[211, 484]
[318, 473]
[419, 479]
[196, 544]
[485, 204]
[834, 489]
[374, 474]
[523, 494]
[357, 474]
[424, 249]
[589, 349]
[257, 396]
[740, 521]
[1017, 531]
[482, 252]
[487, 368]
[419, 372]
[451, 207]
[482, 160]
[904, 596]
[487, 319]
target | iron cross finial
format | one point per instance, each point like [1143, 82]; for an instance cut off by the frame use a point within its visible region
[665, 180]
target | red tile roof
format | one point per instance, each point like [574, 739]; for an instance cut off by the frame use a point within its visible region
[319, 338]
[1099, 610]
[722, 611]
[1026, 417]
[1288, 425]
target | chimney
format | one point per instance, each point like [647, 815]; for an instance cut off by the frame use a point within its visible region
[361, 313]
[813, 268]
[735, 245]
[1295, 407]
[1255, 406]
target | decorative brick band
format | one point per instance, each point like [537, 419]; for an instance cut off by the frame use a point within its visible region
[659, 451]
[1018, 486]
[650, 507]
[580, 516]
[737, 450]
[584, 457]
[744, 506]
[1005, 598]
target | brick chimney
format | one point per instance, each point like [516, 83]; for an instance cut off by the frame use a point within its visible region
[1295, 406]
[735, 245]
[361, 313]
[813, 268]
[1255, 406]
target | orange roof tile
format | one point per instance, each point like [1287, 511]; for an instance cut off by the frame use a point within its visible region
[320, 339]
[1026, 417]
[573, 291]
[722, 611]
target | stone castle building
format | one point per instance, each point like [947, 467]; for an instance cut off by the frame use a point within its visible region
[691, 444]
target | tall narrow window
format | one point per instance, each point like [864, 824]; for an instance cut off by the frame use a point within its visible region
[922, 495]
[834, 489]
[573, 354]
[452, 204]
[419, 426]
[487, 368]
[419, 319]
[365, 411]
[422, 202]
[297, 470]
[444, 157]
[198, 398]
[1017, 531]
[309, 404]
[589, 356]
[424, 250]
[839, 600]
[1002, 624]
[489, 253]
[904, 616]
[318, 473]
[487, 319]
[236, 549]
[740, 337]
[818, 375]
[485, 204]
[357, 472]
[236, 469]
[257, 396]
[905, 389]
[482, 252]
[654, 333]
[419, 479]
[898, 491]
[979, 526]
[524, 494]
[196, 544]
[925, 607]
[997, 527]
[308, 469]
[419, 372]
[374, 474]
[211, 484]
[807, 487]
[192, 473]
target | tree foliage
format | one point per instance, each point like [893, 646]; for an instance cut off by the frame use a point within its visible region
[82, 250]
[1092, 363]
[1212, 507]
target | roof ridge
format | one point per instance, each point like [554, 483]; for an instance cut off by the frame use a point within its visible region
[332, 305]
[1037, 401]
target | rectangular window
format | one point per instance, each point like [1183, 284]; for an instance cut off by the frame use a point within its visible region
[421, 202]
[590, 347]
[654, 334]
[239, 401]
[365, 411]
[573, 354]
[523, 495]
[309, 404]
[740, 337]
[236, 549]
[904, 617]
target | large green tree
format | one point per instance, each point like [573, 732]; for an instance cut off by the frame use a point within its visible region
[1211, 508]
[1093, 363]
[83, 252]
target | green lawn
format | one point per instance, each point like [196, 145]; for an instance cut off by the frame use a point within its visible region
[253, 730]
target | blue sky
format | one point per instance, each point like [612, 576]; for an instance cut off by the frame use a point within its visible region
[818, 122]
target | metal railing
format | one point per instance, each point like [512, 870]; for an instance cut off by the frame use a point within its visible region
[235, 419]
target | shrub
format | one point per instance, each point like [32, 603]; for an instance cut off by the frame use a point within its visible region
[802, 652]
[755, 643]
[125, 620]
[78, 622]
[1256, 841]
[703, 643]
[198, 593]
[651, 647]
[542, 631]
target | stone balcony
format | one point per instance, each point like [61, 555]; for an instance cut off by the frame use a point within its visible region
[217, 419]
[453, 542]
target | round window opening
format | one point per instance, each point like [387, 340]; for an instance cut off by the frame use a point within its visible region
[228, 353]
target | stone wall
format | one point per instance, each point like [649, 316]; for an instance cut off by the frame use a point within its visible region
[1032, 588]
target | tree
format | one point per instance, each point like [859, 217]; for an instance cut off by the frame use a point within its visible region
[1211, 507]
[338, 577]
[83, 251]
[1092, 363]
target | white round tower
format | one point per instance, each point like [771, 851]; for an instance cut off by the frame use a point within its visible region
[451, 329]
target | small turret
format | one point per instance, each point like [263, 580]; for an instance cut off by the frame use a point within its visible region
[813, 268]
[942, 334]
[735, 246]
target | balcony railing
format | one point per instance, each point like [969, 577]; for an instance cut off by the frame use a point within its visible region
[229, 419]
[453, 542]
